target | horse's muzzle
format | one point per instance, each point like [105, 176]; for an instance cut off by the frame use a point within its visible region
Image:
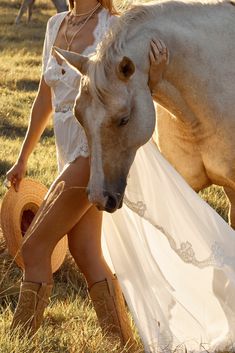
[109, 202]
[112, 203]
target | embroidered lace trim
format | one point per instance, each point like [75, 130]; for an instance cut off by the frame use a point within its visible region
[217, 257]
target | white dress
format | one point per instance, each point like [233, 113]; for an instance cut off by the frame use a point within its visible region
[173, 254]
[64, 81]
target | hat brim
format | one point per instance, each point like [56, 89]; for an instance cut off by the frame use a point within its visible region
[14, 206]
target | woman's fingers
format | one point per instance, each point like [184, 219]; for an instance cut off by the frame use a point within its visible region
[15, 175]
[14, 181]
[154, 51]
[158, 57]
[152, 57]
[158, 52]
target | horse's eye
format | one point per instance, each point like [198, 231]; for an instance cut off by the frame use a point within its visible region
[123, 121]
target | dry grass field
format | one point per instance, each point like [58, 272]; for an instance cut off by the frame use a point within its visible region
[70, 324]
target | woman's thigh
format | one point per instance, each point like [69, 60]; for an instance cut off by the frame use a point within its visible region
[75, 174]
[65, 204]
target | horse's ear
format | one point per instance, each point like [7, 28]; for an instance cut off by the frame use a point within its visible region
[80, 62]
[125, 69]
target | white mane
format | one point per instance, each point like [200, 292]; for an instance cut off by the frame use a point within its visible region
[117, 38]
[127, 26]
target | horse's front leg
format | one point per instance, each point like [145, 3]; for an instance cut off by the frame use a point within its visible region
[25, 4]
[30, 9]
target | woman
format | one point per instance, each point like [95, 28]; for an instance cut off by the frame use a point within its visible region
[79, 30]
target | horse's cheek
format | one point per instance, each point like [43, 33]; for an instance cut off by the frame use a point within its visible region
[143, 118]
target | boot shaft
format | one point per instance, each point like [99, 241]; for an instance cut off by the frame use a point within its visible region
[33, 299]
[111, 311]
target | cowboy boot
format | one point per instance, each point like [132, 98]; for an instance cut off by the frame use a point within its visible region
[33, 299]
[111, 312]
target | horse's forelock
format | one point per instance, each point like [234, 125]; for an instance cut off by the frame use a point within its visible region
[98, 79]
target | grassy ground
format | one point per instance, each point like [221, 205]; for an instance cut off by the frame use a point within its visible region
[69, 311]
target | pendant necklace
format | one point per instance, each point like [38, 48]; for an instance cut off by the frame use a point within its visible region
[91, 13]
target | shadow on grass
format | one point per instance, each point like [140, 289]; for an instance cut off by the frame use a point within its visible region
[48, 133]
[4, 167]
[12, 132]
[27, 85]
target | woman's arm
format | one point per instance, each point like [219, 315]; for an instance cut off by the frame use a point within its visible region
[40, 113]
[159, 58]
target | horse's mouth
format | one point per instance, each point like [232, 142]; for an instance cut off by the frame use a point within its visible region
[112, 204]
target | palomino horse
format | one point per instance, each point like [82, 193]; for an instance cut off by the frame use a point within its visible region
[60, 5]
[196, 93]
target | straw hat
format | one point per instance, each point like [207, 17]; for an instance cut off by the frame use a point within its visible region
[17, 212]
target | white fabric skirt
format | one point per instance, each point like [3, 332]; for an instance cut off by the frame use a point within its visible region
[174, 257]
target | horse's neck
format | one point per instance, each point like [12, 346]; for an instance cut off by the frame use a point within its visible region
[178, 24]
[191, 34]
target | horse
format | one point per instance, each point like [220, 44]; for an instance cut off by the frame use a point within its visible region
[195, 95]
[60, 5]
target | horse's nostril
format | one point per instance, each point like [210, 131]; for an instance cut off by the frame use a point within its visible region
[111, 203]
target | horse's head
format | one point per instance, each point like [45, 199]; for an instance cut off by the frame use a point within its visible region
[115, 108]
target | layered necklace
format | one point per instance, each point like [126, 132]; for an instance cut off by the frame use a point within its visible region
[88, 15]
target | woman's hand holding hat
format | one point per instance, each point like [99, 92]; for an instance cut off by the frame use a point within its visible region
[16, 174]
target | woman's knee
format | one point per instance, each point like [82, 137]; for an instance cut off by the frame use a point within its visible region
[33, 252]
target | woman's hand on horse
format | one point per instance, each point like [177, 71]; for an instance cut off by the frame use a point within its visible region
[159, 58]
[16, 174]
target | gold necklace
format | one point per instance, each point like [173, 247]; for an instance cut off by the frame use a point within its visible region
[80, 28]
[82, 14]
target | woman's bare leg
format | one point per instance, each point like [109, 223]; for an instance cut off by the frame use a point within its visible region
[85, 247]
[56, 220]
[69, 211]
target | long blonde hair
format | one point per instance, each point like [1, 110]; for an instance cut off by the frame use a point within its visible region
[107, 4]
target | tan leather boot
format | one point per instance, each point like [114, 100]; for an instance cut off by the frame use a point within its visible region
[33, 299]
[110, 309]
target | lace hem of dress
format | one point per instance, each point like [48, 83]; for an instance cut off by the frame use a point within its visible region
[82, 152]
[185, 251]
